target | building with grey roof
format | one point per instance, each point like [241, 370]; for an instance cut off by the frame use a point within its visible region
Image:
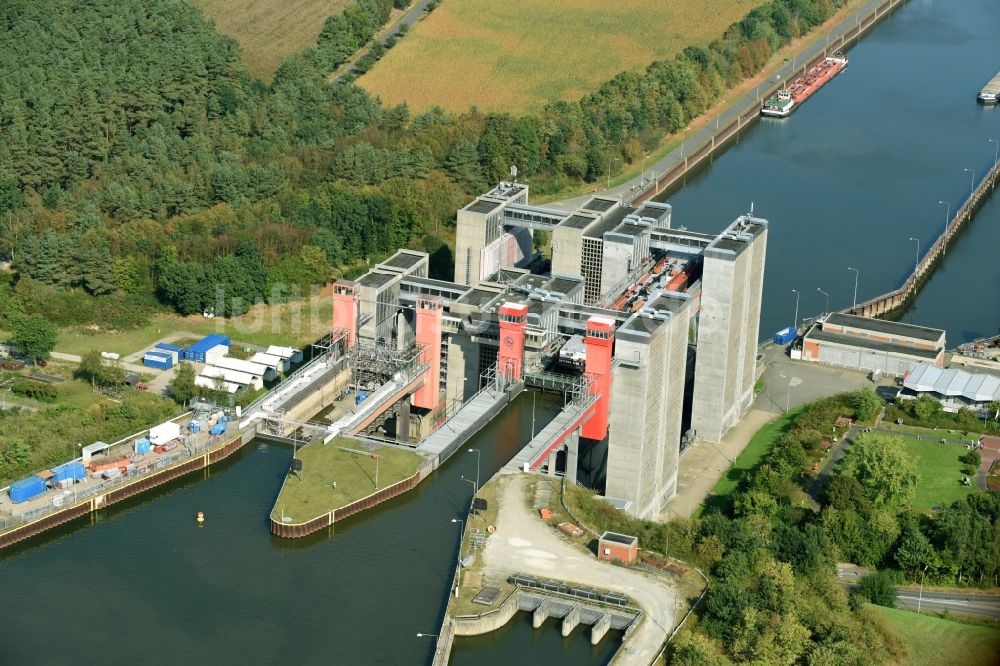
[869, 345]
[955, 389]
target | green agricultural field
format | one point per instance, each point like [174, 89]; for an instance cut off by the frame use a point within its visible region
[312, 495]
[518, 55]
[269, 31]
[932, 640]
[940, 473]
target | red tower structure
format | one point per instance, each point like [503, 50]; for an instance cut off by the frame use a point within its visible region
[345, 309]
[510, 358]
[599, 342]
[430, 315]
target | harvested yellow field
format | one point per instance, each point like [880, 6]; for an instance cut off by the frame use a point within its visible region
[519, 54]
[269, 31]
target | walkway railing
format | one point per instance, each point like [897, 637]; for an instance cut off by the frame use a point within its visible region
[896, 298]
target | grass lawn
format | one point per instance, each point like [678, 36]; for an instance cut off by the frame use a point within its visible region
[957, 436]
[293, 324]
[746, 461]
[269, 31]
[354, 473]
[528, 52]
[940, 473]
[932, 640]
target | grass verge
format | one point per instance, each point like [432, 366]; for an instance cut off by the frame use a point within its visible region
[338, 473]
[940, 473]
[748, 459]
[933, 640]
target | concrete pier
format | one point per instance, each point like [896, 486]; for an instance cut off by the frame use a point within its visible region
[600, 629]
[571, 619]
[541, 614]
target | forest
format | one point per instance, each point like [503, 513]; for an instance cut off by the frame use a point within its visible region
[770, 548]
[142, 167]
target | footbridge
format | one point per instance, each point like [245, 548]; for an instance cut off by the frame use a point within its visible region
[563, 431]
[497, 392]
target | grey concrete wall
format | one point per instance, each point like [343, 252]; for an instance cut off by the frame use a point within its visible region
[474, 625]
[470, 239]
[567, 247]
[463, 368]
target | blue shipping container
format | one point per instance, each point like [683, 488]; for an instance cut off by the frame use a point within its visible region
[71, 470]
[25, 489]
[162, 360]
[785, 335]
[218, 428]
[196, 352]
[143, 446]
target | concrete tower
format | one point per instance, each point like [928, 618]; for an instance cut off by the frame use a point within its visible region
[728, 328]
[646, 405]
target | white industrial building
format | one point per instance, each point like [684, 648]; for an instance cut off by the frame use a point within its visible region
[249, 367]
[253, 382]
[953, 388]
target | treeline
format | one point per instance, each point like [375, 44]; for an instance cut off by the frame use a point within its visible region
[139, 160]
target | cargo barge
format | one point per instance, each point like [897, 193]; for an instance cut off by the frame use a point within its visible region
[990, 94]
[783, 102]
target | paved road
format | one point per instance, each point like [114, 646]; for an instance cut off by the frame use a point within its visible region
[962, 603]
[524, 543]
[412, 15]
[737, 107]
[73, 358]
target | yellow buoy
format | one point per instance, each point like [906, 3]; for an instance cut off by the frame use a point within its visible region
[201, 517]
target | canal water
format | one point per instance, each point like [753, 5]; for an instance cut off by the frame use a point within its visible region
[846, 181]
[148, 585]
[859, 169]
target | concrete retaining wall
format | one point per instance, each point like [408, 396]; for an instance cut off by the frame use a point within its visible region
[474, 625]
[296, 530]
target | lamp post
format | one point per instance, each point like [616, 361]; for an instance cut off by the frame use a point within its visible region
[996, 149]
[916, 263]
[609, 170]
[827, 308]
[947, 219]
[857, 276]
[476, 451]
[642, 176]
[920, 598]
[420, 635]
[719, 117]
[458, 565]
[972, 181]
[475, 491]
[796, 322]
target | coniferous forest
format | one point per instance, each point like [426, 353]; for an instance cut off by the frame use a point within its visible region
[141, 166]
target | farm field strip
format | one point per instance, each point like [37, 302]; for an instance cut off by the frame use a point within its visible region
[529, 52]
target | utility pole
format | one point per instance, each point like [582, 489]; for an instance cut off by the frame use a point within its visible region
[857, 275]
[796, 322]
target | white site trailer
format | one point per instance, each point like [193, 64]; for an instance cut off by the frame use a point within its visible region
[277, 363]
[253, 382]
[288, 353]
[249, 367]
[216, 385]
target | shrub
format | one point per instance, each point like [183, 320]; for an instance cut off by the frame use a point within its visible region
[34, 390]
[879, 588]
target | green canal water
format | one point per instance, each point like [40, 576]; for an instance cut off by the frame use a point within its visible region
[859, 168]
[845, 181]
[146, 584]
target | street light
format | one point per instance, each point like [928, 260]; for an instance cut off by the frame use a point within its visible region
[996, 149]
[827, 309]
[972, 181]
[916, 263]
[947, 219]
[419, 635]
[719, 117]
[476, 451]
[475, 491]
[857, 276]
[609, 170]
[796, 322]
[642, 176]
[920, 598]
[458, 565]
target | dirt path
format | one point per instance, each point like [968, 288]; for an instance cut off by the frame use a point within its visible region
[524, 543]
